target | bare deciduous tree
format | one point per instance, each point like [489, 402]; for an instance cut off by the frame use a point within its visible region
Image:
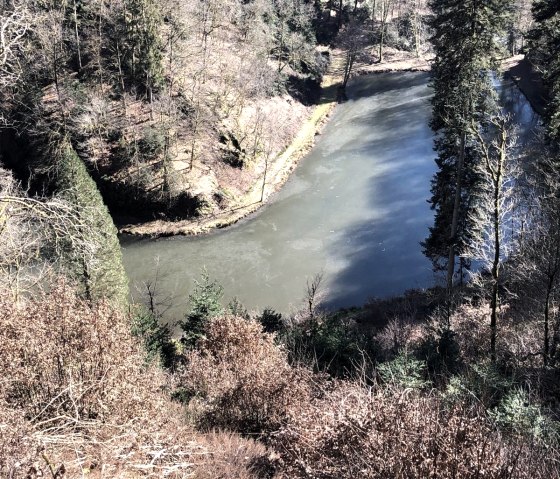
[15, 22]
[537, 262]
[385, 6]
[495, 203]
[33, 233]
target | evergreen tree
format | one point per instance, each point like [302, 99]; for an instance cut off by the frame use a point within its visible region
[544, 43]
[292, 36]
[205, 303]
[142, 45]
[465, 39]
[94, 254]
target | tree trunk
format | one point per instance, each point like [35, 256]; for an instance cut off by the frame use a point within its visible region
[416, 31]
[497, 177]
[455, 218]
[150, 94]
[100, 48]
[546, 345]
[264, 177]
[348, 69]
[381, 40]
[121, 77]
[77, 37]
[495, 269]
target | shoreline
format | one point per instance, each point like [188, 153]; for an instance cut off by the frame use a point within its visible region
[284, 164]
[517, 68]
[520, 70]
[279, 172]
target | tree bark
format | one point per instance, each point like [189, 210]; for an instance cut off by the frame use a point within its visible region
[77, 37]
[455, 218]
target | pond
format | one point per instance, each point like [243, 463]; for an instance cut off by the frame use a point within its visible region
[355, 210]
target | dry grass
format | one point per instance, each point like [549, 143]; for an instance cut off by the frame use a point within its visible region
[233, 457]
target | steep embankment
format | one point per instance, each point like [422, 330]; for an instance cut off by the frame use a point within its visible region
[529, 81]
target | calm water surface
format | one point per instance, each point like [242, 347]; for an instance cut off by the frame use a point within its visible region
[354, 209]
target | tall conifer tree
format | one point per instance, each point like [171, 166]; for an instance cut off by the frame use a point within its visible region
[96, 258]
[143, 44]
[466, 42]
[544, 42]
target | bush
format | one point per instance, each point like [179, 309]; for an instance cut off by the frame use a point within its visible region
[239, 379]
[350, 432]
[236, 308]
[76, 375]
[66, 358]
[484, 383]
[440, 350]
[404, 371]
[271, 320]
[18, 449]
[205, 303]
[518, 414]
[233, 457]
[77, 399]
[331, 344]
[156, 337]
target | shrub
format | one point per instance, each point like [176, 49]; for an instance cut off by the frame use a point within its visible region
[233, 457]
[404, 371]
[518, 342]
[63, 357]
[156, 337]
[350, 432]
[205, 303]
[330, 343]
[271, 320]
[485, 383]
[240, 379]
[517, 413]
[78, 399]
[18, 449]
[440, 349]
[236, 308]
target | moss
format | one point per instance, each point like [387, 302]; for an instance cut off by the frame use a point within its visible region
[95, 260]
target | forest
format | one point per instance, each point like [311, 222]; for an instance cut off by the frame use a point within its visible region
[158, 118]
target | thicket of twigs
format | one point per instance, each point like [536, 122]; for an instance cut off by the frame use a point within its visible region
[77, 397]
[318, 427]
[240, 379]
[400, 433]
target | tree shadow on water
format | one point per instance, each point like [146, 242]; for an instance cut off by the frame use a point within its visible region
[382, 253]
